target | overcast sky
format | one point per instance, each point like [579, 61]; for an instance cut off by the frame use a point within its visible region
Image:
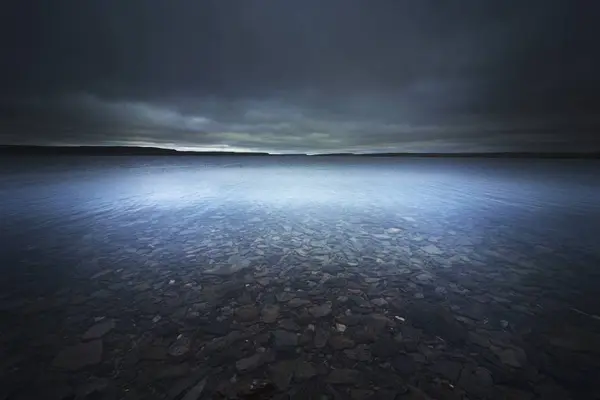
[302, 75]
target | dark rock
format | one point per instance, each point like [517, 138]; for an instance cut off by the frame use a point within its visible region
[361, 394]
[180, 346]
[404, 364]
[285, 339]
[270, 313]
[297, 302]
[332, 269]
[281, 373]
[343, 376]
[320, 311]
[215, 328]
[385, 347]
[513, 357]
[304, 371]
[359, 301]
[289, 325]
[476, 381]
[246, 313]
[153, 353]
[173, 371]
[321, 337]
[98, 330]
[339, 342]
[336, 283]
[361, 352]
[365, 335]
[351, 320]
[78, 356]
[447, 369]
[378, 322]
[250, 363]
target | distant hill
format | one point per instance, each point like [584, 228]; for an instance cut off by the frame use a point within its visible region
[595, 155]
[17, 150]
[110, 151]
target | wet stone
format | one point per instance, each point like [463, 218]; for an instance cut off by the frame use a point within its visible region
[246, 313]
[385, 347]
[513, 357]
[79, 356]
[361, 352]
[361, 394]
[343, 376]
[153, 353]
[297, 302]
[180, 346]
[250, 363]
[98, 330]
[281, 373]
[304, 371]
[321, 310]
[270, 313]
[321, 338]
[476, 381]
[379, 302]
[289, 325]
[285, 339]
[173, 371]
[404, 364]
[448, 369]
[339, 342]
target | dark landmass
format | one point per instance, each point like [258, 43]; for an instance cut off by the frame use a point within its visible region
[111, 151]
[17, 150]
[592, 155]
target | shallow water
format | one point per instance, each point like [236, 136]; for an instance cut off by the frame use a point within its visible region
[450, 277]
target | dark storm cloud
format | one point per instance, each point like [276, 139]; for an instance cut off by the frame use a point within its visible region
[313, 76]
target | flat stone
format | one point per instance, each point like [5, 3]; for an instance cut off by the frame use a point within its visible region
[379, 302]
[321, 337]
[297, 302]
[281, 373]
[476, 381]
[404, 364]
[153, 353]
[361, 394]
[332, 269]
[289, 325]
[173, 371]
[336, 283]
[512, 357]
[361, 352]
[479, 340]
[270, 313]
[180, 346]
[75, 357]
[343, 376]
[227, 270]
[285, 296]
[447, 369]
[377, 322]
[285, 338]
[304, 371]
[196, 391]
[339, 342]
[98, 330]
[247, 313]
[250, 363]
[385, 347]
[432, 249]
[320, 311]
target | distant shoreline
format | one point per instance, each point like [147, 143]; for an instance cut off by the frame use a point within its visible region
[18, 150]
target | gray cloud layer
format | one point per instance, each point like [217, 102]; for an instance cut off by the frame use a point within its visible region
[287, 76]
